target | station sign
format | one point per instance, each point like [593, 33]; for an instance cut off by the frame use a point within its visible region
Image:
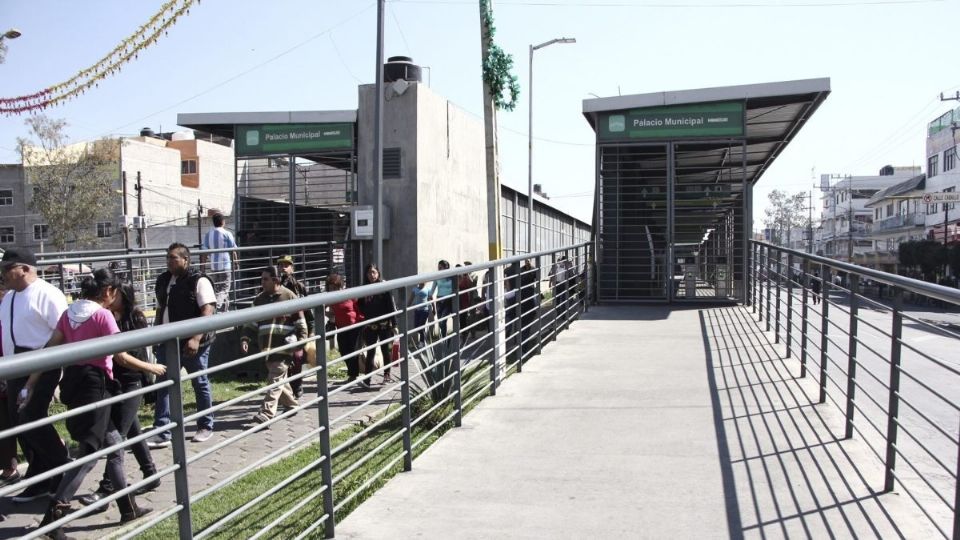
[274, 139]
[722, 119]
[941, 196]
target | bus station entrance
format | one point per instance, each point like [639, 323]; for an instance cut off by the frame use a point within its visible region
[674, 180]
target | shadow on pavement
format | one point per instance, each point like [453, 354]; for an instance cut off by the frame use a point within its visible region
[785, 473]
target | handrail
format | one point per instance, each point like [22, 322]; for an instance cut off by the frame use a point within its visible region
[22, 364]
[846, 354]
[160, 252]
[444, 375]
[917, 286]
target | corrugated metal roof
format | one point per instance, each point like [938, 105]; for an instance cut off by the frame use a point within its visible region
[917, 182]
[775, 112]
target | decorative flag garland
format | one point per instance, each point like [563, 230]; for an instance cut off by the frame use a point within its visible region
[127, 50]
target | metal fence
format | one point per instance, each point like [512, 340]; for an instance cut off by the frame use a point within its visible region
[888, 364]
[313, 261]
[496, 317]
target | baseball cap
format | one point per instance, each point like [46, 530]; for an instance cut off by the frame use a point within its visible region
[285, 259]
[14, 256]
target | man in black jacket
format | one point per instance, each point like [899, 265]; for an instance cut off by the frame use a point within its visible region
[184, 293]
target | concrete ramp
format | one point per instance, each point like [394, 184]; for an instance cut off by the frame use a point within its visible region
[646, 422]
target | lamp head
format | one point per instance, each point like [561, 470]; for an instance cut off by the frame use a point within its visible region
[12, 33]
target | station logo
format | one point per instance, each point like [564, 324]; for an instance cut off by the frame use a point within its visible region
[253, 137]
[618, 123]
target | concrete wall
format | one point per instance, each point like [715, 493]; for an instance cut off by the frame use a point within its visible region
[165, 199]
[15, 214]
[439, 204]
[451, 183]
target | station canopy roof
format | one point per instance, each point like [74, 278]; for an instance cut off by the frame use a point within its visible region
[223, 123]
[773, 114]
[296, 134]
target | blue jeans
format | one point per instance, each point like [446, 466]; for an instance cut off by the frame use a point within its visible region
[201, 387]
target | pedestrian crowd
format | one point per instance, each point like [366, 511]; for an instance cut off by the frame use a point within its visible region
[35, 314]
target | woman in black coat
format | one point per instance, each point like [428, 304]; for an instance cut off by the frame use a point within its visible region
[383, 330]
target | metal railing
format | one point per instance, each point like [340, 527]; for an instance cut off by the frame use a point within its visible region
[500, 315]
[313, 261]
[891, 370]
[900, 221]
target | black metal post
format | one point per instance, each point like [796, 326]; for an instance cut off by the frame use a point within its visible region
[893, 403]
[769, 281]
[518, 314]
[852, 354]
[805, 310]
[789, 304]
[458, 398]
[824, 330]
[181, 477]
[779, 277]
[405, 385]
[323, 416]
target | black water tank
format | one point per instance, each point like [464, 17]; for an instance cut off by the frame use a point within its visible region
[147, 132]
[401, 67]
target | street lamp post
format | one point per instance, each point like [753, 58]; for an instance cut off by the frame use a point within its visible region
[530, 140]
[12, 33]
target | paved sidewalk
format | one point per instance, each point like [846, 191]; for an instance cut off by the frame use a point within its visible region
[646, 422]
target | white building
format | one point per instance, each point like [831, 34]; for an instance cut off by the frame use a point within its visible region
[898, 216]
[943, 175]
[845, 218]
[178, 175]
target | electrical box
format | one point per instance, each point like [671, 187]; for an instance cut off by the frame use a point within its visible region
[136, 222]
[361, 223]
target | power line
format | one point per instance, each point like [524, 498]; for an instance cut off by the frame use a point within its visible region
[247, 71]
[642, 5]
[400, 28]
[340, 57]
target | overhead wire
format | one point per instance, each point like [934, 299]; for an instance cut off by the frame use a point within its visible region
[248, 70]
[692, 5]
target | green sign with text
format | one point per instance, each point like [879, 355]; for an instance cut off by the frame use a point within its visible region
[725, 119]
[269, 139]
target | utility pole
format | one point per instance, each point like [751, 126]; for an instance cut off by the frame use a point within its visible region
[850, 219]
[946, 207]
[810, 222]
[126, 230]
[378, 146]
[141, 238]
[491, 146]
[199, 224]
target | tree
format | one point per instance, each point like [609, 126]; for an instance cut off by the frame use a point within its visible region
[953, 258]
[785, 212]
[931, 256]
[72, 184]
[907, 254]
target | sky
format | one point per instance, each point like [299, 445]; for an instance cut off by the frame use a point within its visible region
[888, 61]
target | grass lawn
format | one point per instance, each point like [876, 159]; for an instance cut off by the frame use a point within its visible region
[226, 386]
[211, 509]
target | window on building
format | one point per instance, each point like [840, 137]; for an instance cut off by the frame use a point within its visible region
[104, 229]
[7, 235]
[950, 190]
[950, 159]
[889, 209]
[933, 163]
[188, 166]
[41, 232]
[6, 197]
